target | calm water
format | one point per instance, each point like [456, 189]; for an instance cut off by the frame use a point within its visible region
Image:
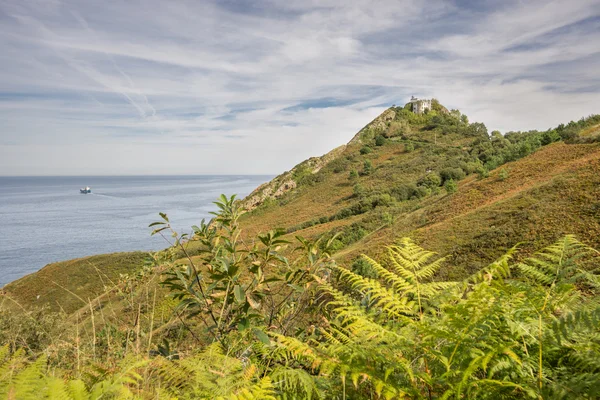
[46, 219]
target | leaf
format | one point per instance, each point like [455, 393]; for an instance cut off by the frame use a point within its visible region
[164, 216]
[243, 324]
[154, 232]
[253, 302]
[262, 336]
[239, 293]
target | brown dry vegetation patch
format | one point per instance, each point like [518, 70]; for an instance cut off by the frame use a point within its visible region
[547, 195]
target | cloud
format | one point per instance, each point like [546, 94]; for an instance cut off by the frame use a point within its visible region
[230, 87]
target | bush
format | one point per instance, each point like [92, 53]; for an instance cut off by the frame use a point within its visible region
[430, 180]
[367, 167]
[471, 167]
[409, 147]
[421, 191]
[482, 172]
[365, 150]
[379, 140]
[503, 175]
[383, 200]
[353, 174]
[359, 190]
[451, 186]
[338, 165]
[403, 191]
[455, 174]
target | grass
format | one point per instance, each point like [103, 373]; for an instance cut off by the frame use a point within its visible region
[62, 285]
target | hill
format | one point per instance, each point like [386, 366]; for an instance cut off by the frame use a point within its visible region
[277, 301]
[389, 182]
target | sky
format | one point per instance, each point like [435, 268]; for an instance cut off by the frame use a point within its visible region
[153, 87]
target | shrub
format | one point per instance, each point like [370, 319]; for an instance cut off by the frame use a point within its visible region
[450, 186]
[379, 140]
[403, 191]
[338, 165]
[421, 191]
[383, 200]
[359, 190]
[471, 167]
[503, 175]
[367, 167]
[455, 174]
[409, 147]
[430, 180]
[353, 174]
[482, 172]
[365, 150]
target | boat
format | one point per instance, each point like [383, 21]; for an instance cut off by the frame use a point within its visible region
[85, 190]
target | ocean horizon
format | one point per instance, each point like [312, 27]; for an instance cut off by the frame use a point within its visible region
[45, 219]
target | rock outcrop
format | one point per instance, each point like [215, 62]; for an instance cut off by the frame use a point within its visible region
[286, 182]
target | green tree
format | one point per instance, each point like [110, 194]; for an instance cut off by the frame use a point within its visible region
[379, 140]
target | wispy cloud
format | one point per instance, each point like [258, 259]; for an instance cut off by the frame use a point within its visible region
[234, 87]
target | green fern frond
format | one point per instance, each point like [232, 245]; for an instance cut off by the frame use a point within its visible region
[262, 390]
[293, 382]
[380, 296]
[568, 324]
[293, 349]
[498, 270]
[30, 382]
[412, 262]
[397, 283]
[555, 262]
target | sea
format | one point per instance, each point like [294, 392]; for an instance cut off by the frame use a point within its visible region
[46, 219]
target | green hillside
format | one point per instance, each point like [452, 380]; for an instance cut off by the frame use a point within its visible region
[278, 302]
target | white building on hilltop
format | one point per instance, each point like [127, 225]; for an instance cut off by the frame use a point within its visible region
[420, 105]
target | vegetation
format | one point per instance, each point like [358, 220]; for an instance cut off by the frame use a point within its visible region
[320, 307]
[384, 329]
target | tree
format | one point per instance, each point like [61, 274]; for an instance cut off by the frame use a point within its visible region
[379, 140]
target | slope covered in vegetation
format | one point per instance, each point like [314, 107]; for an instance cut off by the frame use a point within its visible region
[278, 302]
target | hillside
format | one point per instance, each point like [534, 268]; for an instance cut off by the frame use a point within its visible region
[551, 189]
[279, 301]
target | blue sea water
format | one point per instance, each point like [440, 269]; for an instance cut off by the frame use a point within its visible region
[46, 219]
